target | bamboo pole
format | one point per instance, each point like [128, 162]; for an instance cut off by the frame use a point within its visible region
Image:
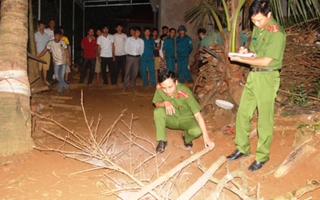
[196, 186]
[167, 175]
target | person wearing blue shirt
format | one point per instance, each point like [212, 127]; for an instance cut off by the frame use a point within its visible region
[169, 49]
[147, 61]
[184, 48]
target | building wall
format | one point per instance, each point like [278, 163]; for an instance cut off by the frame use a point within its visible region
[171, 13]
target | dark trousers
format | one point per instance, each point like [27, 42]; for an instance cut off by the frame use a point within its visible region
[104, 63]
[131, 71]
[50, 72]
[85, 66]
[120, 63]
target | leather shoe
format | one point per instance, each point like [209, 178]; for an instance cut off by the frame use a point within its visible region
[256, 165]
[189, 144]
[236, 155]
[161, 146]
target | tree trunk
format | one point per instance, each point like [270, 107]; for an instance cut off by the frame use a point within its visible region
[15, 125]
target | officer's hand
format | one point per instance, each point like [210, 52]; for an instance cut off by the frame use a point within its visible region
[169, 108]
[243, 50]
[208, 142]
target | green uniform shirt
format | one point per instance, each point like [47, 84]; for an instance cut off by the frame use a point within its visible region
[183, 101]
[269, 42]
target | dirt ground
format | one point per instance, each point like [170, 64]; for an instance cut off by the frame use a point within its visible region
[50, 175]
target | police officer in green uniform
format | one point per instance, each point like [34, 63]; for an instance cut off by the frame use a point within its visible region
[268, 43]
[176, 108]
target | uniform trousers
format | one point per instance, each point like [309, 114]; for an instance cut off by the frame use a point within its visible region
[131, 71]
[170, 63]
[144, 65]
[259, 92]
[183, 71]
[188, 124]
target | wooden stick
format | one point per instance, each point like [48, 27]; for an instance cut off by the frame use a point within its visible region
[196, 186]
[300, 152]
[230, 187]
[58, 105]
[167, 175]
[36, 58]
[34, 80]
[312, 185]
[41, 89]
[229, 177]
[286, 92]
[61, 97]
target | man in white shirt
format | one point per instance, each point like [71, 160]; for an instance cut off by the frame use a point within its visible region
[119, 40]
[106, 54]
[42, 39]
[50, 29]
[134, 47]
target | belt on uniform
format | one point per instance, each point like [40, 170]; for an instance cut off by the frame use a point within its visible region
[133, 55]
[257, 69]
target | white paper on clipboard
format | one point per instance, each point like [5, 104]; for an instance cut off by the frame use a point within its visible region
[247, 55]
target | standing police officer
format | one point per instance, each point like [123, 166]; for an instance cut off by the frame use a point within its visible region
[176, 108]
[147, 59]
[268, 43]
[168, 50]
[184, 48]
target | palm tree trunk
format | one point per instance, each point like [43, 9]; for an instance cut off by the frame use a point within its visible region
[15, 118]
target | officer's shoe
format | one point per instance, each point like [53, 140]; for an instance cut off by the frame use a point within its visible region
[236, 155]
[189, 144]
[161, 146]
[256, 165]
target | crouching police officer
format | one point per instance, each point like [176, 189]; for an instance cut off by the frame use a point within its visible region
[176, 108]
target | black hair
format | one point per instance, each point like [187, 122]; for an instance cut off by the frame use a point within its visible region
[165, 27]
[165, 74]
[40, 22]
[105, 26]
[202, 30]
[260, 6]
[119, 24]
[163, 36]
[57, 31]
[146, 28]
[172, 29]
[51, 20]
[155, 29]
[136, 28]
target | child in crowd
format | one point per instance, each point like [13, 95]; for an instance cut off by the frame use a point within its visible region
[66, 40]
[61, 58]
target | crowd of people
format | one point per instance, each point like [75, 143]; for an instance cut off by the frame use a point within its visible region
[143, 52]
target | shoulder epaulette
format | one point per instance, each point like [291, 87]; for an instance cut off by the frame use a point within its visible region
[182, 93]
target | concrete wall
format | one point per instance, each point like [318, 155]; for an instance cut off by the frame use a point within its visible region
[171, 13]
